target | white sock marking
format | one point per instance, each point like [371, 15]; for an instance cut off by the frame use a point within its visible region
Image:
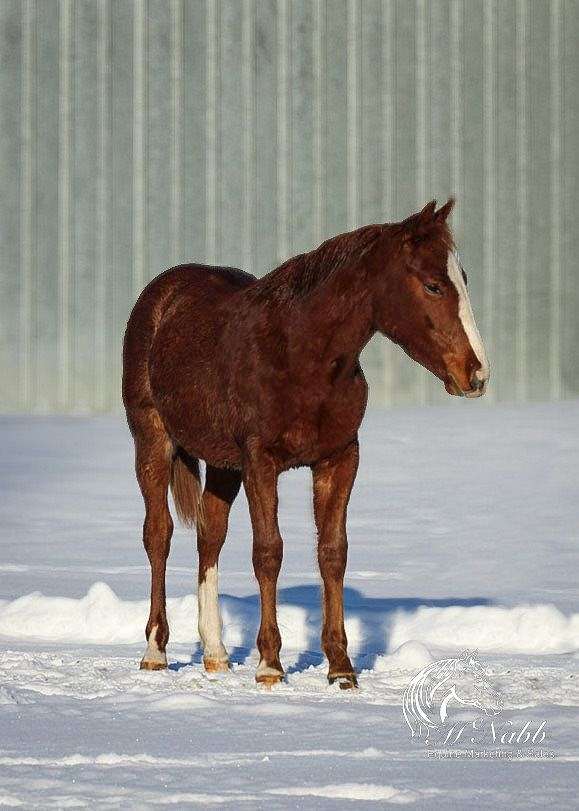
[466, 315]
[153, 654]
[210, 617]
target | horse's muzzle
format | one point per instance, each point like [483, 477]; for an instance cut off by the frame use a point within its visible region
[478, 384]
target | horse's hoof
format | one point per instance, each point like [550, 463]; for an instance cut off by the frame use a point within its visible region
[216, 665]
[145, 665]
[268, 679]
[346, 681]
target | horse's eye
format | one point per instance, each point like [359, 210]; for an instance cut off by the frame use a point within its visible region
[433, 289]
[464, 276]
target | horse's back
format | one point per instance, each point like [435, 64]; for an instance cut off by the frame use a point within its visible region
[189, 289]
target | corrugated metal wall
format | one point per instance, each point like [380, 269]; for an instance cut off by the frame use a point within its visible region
[137, 134]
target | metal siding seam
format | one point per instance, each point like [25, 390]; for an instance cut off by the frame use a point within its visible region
[282, 132]
[522, 197]
[353, 30]
[211, 135]
[27, 201]
[421, 138]
[177, 124]
[556, 168]
[139, 146]
[319, 118]
[456, 167]
[388, 129]
[64, 218]
[248, 79]
[104, 56]
[489, 158]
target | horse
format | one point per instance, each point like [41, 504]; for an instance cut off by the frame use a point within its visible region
[255, 376]
[461, 679]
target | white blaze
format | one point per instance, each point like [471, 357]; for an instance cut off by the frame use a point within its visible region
[466, 315]
[210, 618]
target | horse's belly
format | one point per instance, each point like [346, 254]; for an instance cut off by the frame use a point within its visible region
[203, 435]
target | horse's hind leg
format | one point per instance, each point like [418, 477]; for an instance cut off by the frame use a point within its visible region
[221, 488]
[153, 458]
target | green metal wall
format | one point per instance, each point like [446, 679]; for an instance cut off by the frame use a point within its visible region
[137, 134]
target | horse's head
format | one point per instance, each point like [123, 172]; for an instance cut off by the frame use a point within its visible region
[422, 302]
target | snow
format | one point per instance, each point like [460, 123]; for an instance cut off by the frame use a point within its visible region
[463, 534]
[101, 618]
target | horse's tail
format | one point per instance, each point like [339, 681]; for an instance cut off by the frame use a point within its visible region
[187, 489]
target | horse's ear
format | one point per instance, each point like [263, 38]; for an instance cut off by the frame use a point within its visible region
[443, 213]
[427, 214]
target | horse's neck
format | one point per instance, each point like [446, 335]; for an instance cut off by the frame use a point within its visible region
[338, 315]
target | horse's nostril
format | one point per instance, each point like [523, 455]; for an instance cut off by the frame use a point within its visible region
[476, 382]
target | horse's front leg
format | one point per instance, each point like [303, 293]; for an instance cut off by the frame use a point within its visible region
[333, 480]
[260, 482]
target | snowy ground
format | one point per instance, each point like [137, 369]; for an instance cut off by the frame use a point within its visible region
[463, 533]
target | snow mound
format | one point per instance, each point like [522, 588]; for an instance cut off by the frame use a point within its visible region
[100, 617]
[411, 656]
[526, 629]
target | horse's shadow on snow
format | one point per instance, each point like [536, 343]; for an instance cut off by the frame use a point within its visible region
[374, 616]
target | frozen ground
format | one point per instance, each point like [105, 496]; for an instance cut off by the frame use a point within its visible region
[463, 533]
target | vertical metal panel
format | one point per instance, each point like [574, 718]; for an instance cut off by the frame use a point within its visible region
[387, 105]
[570, 200]
[319, 125]
[47, 311]
[539, 272]
[195, 130]
[177, 130]
[64, 218]
[336, 147]
[140, 134]
[489, 165]
[555, 48]
[505, 228]
[121, 282]
[371, 163]
[352, 112]
[303, 129]
[12, 252]
[27, 203]
[79, 204]
[471, 203]
[159, 126]
[266, 136]
[140, 143]
[283, 142]
[522, 169]
[248, 119]
[103, 179]
[230, 169]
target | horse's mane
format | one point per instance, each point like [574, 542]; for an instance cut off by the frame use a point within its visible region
[303, 273]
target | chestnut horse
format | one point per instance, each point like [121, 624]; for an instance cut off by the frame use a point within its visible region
[256, 376]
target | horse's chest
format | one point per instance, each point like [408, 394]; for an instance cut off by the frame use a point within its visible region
[324, 429]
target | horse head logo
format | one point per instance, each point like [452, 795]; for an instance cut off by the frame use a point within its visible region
[462, 680]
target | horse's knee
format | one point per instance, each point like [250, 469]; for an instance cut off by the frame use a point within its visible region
[157, 532]
[267, 558]
[332, 559]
